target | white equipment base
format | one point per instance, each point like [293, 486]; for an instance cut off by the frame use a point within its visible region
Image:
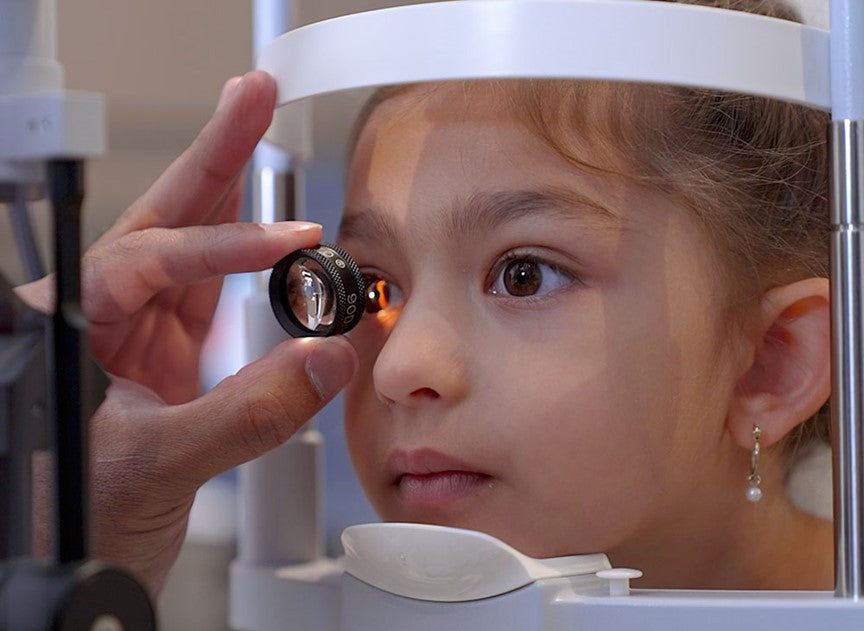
[323, 596]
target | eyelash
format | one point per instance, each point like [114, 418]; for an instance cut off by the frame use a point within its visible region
[564, 276]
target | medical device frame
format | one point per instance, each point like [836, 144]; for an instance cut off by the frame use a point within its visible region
[629, 41]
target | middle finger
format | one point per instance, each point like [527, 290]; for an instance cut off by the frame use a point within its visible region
[191, 189]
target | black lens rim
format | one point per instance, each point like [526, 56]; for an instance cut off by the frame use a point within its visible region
[347, 283]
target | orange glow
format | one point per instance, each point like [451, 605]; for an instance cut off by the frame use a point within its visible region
[387, 318]
[380, 294]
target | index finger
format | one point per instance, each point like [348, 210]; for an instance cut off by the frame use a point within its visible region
[192, 187]
[122, 276]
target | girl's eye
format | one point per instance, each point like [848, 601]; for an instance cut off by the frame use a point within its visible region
[381, 294]
[525, 276]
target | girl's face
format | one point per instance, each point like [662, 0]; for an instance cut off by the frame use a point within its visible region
[552, 365]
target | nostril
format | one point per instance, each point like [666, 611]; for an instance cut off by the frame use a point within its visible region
[425, 393]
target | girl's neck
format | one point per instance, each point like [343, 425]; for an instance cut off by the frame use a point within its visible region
[771, 545]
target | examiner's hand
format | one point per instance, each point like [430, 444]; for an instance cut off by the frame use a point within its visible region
[150, 285]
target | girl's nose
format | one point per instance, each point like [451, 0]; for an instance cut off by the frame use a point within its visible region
[423, 359]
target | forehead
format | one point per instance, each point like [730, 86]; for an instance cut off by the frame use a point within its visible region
[431, 144]
[423, 122]
[499, 110]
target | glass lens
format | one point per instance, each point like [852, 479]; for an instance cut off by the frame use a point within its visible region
[310, 294]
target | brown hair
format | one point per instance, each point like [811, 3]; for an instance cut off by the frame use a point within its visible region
[754, 170]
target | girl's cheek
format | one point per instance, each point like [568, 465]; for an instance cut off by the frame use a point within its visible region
[357, 418]
[360, 396]
[368, 339]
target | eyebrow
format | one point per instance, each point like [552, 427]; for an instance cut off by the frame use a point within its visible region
[486, 211]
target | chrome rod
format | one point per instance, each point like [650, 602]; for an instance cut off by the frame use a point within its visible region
[273, 194]
[272, 169]
[847, 180]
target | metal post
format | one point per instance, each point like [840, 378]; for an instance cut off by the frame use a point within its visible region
[847, 181]
[847, 142]
[273, 192]
[65, 181]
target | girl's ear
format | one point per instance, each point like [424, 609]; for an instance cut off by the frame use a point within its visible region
[789, 377]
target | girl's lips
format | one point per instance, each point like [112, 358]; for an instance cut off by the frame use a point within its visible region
[435, 490]
[429, 479]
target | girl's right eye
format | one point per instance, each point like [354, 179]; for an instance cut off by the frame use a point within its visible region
[381, 294]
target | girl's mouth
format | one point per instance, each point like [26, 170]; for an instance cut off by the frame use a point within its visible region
[425, 478]
[434, 490]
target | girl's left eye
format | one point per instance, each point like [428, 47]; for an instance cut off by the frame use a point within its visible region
[525, 276]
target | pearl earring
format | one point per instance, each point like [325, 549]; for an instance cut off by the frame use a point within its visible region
[754, 493]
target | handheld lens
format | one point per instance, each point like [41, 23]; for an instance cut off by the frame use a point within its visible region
[317, 292]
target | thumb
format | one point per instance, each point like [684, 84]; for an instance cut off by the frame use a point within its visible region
[260, 407]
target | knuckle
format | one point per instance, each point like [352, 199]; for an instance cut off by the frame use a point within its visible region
[131, 245]
[269, 423]
[216, 173]
[210, 263]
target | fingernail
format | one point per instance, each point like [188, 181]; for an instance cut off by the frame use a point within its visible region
[330, 366]
[292, 226]
[228, 90]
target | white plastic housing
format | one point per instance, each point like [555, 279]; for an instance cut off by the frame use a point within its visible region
[624, 40]
[54, 124]
[38, 119]
[28, 47]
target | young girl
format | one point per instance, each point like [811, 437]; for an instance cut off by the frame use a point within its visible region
[592, 302]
